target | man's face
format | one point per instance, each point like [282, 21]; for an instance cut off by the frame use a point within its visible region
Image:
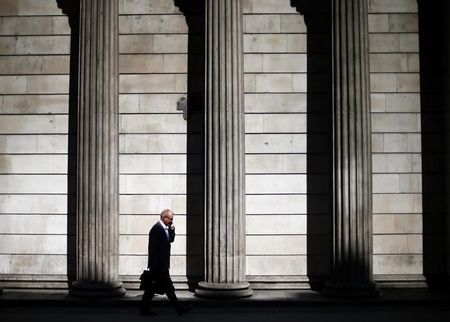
[168, 219]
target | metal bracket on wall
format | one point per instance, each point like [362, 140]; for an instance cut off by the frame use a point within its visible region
[182, 106]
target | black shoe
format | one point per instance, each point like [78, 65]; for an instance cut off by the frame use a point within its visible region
[146, 312]
[184, 309]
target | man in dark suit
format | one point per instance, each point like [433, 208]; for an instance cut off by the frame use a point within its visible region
[161, 236]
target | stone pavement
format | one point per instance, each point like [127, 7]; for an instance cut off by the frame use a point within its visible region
[393, 305]
[406, 296]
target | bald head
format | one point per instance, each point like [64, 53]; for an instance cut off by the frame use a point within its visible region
[167, 217]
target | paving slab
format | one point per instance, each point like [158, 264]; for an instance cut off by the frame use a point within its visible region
[261, 298]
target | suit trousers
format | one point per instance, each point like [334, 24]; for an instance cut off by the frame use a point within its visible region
[168, 289]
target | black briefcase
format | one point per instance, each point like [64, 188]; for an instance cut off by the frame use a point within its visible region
[152, 282]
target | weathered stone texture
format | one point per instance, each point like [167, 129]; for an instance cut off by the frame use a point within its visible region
[280, 103]
[153, 163]
[395, 224]
[33, 224]
[152, 143]
[33, 124]
[276, 245]
[153, 184]
[396, 163]
[153, 47]
[396, 119]
[275, 123]
[33, 164]
[396, 145]
[151, 24]
[33, 244]
[35, 184]
[275, 143]
[379, 23]
[34, 60]
[404, 23]
[395, 122]
[25, 25]
[276, 204]
[33, 144]
[33, 264]
[262, 24]
[288, 183]
[146, 7]
[33, 204]
[152, 83]
[392, 6]
[148, 123]
[151, 204]
[276, 265]
[398, 264]
[268, 224]
[397, 203]
[35, 104]
[47, 84]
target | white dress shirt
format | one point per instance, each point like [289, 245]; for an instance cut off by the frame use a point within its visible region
[166, 229]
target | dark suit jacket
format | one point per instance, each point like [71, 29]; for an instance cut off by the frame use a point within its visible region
[159, 250]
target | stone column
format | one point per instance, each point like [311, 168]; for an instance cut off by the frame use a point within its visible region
[224, 271]
[352, 193]
[97, 234]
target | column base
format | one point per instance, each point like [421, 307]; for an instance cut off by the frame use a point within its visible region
[223, 290]
[350, 291]
[96, 289]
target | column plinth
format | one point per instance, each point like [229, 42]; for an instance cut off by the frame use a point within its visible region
[223, 290]
[352, 183]
[224, 271]
[91, 289]
[97, 230]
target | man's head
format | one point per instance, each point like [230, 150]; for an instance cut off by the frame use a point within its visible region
[167, 217]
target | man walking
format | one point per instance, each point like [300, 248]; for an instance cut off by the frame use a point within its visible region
[161, 236]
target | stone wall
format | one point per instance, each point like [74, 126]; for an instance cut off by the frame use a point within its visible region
[287, 151]
[153, 141]
[34, 85]
[396, 138]
[275, 107]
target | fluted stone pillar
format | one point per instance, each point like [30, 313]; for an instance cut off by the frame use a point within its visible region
[97, 233]
[224, 271]
[352, 193]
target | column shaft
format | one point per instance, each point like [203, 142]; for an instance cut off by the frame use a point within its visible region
[224, 153]
[352, 194]
[97, 233]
